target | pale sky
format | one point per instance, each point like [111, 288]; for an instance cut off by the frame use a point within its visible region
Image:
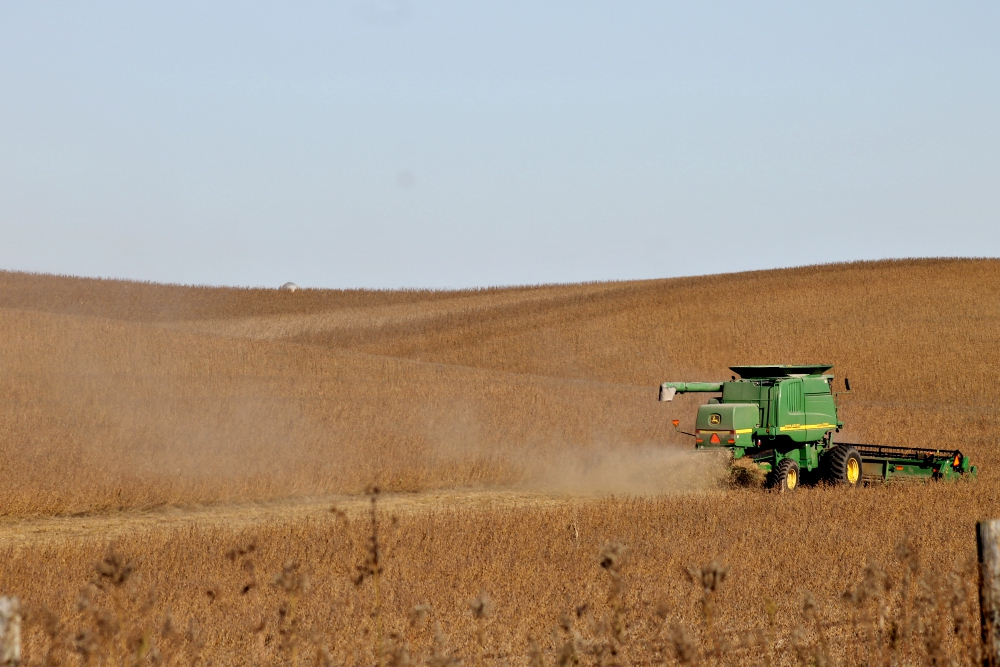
[433, 144]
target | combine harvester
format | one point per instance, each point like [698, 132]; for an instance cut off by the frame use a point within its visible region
[784, 418]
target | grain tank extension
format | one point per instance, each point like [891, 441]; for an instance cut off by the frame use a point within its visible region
[784, 418]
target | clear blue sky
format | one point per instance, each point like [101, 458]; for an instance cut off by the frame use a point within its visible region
[387, 144]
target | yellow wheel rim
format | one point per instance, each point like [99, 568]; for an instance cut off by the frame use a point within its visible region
[853, 471]
[791, 479]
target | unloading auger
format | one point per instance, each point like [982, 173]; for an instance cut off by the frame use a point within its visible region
[784, 418]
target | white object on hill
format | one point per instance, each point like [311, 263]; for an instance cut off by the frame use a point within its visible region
[289, 287]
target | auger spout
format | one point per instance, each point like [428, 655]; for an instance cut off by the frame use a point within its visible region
[668, 389]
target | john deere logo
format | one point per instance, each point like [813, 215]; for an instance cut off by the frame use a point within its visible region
[715, 419]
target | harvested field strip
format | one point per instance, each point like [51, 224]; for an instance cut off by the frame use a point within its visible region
[358, 323]
[110, 526]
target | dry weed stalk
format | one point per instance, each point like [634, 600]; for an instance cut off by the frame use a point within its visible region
[819, 653]
[536, 656]
[609, 648]
[769, 635]
[371, 568]
[709, 578]
[685, 647]
[294, 583]
[570, 644]
[441, 655]
[481, 607]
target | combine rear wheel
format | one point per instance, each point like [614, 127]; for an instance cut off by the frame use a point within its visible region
[843, 465]
[785, 476]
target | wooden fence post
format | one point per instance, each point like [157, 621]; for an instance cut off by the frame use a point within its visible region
[988, 544]
[10, 632]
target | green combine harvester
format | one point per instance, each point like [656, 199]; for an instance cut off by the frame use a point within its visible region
[784, 418]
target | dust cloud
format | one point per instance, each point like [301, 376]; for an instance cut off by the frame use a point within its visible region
[638, 470]
[601, 465]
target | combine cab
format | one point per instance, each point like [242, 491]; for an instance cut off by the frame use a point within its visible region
[785, 417]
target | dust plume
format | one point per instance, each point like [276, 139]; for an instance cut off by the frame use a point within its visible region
[633, 471]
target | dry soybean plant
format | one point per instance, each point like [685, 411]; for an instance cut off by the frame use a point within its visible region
[294, 389]
[900, 614]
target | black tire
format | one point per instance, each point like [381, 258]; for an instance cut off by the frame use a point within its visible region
[843, 466]
[785, 477]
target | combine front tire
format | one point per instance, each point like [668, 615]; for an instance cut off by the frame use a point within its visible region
[843, 465]
[785, 476]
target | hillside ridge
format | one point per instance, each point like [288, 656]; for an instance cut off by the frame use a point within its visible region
[146, 394]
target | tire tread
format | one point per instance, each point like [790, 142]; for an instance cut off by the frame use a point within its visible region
[776, 478]
[836, 463]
